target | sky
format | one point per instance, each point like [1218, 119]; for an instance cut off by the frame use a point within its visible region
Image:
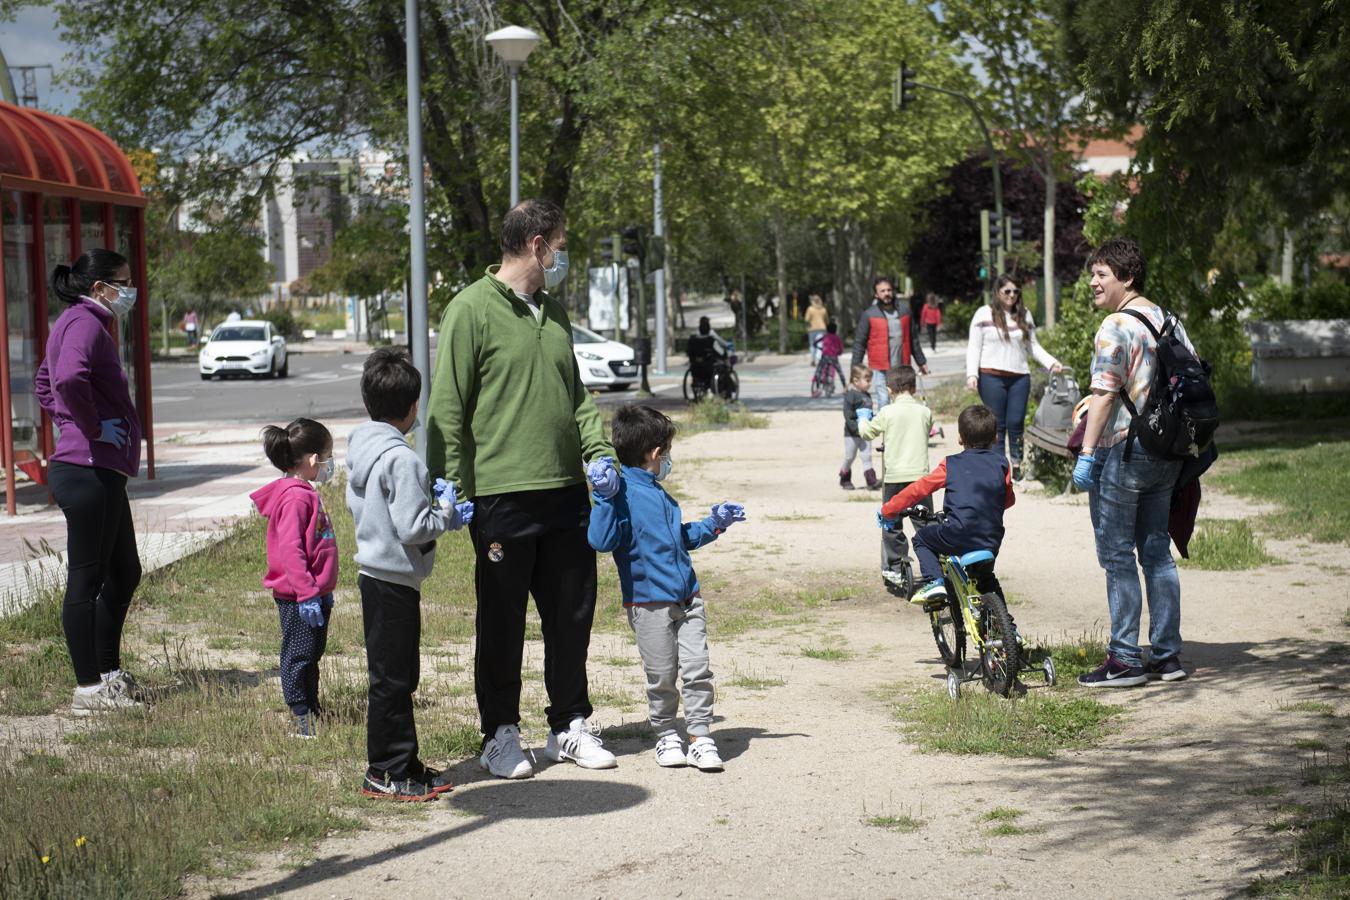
[32, 39]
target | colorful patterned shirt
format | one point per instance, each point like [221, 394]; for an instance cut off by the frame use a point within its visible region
[1125, 358]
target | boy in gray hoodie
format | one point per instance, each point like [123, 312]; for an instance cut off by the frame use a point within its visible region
[398, 518]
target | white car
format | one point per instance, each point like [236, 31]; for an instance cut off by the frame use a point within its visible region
[248, 347]
[603, 363]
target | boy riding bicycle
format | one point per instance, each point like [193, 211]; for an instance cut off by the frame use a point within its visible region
[978, 488]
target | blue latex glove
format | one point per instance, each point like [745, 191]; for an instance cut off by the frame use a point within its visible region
[1086, 472]
[440, 489]
[311, 612]
[884, 523]
[723, 514]
[604, 478]
[863, 414]
[113, 432]
[326, 604]
[463, 514]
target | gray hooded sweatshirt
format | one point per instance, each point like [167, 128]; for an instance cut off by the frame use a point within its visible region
[389, 494]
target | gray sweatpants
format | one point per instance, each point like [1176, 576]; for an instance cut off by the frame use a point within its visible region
[673, 641]
[854, 446]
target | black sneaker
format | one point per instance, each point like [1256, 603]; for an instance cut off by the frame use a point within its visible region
[1168, 669]
[1016, 473]
[407, 790]
[1113, 674]
[438, 781]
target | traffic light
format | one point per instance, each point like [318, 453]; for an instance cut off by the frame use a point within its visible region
[904, 86]
[632, 241]
[984, 272]
[995, 226]
[607, 249]
[1015, 232]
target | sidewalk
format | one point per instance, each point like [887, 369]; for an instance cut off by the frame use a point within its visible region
[204, 474]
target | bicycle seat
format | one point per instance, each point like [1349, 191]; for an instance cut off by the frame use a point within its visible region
[975, 557]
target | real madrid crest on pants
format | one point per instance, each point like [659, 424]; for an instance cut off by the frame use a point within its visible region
[495, 552]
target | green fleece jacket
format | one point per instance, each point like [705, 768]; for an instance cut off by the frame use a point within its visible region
[508, 411]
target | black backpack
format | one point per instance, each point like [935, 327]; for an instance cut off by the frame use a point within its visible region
[1180, 417]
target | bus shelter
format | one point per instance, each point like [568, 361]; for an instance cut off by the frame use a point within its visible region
[64, 188]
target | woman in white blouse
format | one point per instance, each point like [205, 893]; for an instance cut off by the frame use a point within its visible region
[1001, 336]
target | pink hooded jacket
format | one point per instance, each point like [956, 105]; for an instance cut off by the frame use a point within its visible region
[302, 554]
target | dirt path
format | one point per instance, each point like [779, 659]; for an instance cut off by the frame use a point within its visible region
[1161, 809]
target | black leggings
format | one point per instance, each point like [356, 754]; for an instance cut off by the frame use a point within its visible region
[104, 567]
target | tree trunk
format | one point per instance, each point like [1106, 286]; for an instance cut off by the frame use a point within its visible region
[1048, 306]
[778, 241]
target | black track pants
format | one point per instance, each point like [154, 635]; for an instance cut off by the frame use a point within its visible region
[104, 567]
[392, 614]
[532, 543]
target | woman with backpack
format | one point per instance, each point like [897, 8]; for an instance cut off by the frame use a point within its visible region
[1130, 487]
[1002, 337]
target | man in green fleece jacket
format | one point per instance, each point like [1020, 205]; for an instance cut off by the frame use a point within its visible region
[511, 424]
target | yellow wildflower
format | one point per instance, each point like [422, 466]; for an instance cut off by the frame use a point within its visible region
[46, 859]
[80, 841]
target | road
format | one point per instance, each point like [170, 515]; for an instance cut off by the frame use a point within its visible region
[326, 385]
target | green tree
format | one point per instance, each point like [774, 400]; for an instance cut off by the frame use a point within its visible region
[1034, 96]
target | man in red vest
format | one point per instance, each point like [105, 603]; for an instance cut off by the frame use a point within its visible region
[885, 335]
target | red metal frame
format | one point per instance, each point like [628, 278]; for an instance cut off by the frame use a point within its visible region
[65, 141]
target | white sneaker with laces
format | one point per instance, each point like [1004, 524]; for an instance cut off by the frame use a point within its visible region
[580, 744]
[670, 752]
[703, 755]
[106, 699]
[502, 755]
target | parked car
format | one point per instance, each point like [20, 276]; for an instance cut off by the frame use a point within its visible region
[248, 347]
[603, 363]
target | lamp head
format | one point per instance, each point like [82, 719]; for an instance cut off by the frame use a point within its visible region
[513, 43]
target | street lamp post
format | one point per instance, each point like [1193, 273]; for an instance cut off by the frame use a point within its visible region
[514, 45]
[418, 341]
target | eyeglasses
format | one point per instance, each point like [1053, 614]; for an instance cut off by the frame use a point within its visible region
[120, 282]
[1011, 292]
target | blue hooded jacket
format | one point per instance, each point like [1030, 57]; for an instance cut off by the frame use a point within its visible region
[641, 526]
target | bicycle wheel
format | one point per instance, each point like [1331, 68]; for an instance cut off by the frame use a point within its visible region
[999, 662]
[817, 388]
[949, 633]
[693, 388]
[728, 385]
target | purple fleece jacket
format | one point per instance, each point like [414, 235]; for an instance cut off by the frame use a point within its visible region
[80, 383]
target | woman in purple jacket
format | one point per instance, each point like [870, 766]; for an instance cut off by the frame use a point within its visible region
[83, 388]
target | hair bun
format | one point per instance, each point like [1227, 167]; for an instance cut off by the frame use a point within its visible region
[61, 271]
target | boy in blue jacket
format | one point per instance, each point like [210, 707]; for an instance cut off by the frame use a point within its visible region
[637, 521]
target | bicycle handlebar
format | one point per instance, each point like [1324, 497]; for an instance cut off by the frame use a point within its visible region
[923, 514]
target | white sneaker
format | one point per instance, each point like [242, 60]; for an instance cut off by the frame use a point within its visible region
[502, 755]
[670, 752]
[108, 698]
[581, 745]
[703, 755]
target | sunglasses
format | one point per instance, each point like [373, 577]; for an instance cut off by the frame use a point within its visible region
[1011, 292]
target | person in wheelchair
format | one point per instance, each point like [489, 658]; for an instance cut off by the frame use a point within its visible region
[706, 351]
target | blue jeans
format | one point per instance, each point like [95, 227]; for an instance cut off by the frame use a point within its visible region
[1007, 396]
[1129, 507]
[880, 396]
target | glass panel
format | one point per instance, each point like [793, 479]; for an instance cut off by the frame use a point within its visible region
[75, 153]
[12, 160]
[23, 338]
[126, 332]
[92, 233]
[56, 246]
[47, 166]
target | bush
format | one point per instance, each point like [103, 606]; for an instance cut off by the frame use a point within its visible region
[956, 316]
[1328, 297]
[283, 322]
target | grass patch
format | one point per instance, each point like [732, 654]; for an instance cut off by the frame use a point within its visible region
[1310, 744]
[1035, 726]
[714, 413]
[1320, 855]
[1006, 829]
[1312, 707]
[755, 682]
[1225, 545]
[1003, 814]
[1263, 790]
[828, 654]
[901, 824]
[1072, 658]
[1317, 475]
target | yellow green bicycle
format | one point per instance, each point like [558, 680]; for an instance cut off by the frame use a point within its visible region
[974, 608]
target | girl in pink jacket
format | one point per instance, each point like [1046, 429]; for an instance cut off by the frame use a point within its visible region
[302, 558]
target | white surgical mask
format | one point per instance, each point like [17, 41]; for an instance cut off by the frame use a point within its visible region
[325, 472]
[666, 466]
[556, 273]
